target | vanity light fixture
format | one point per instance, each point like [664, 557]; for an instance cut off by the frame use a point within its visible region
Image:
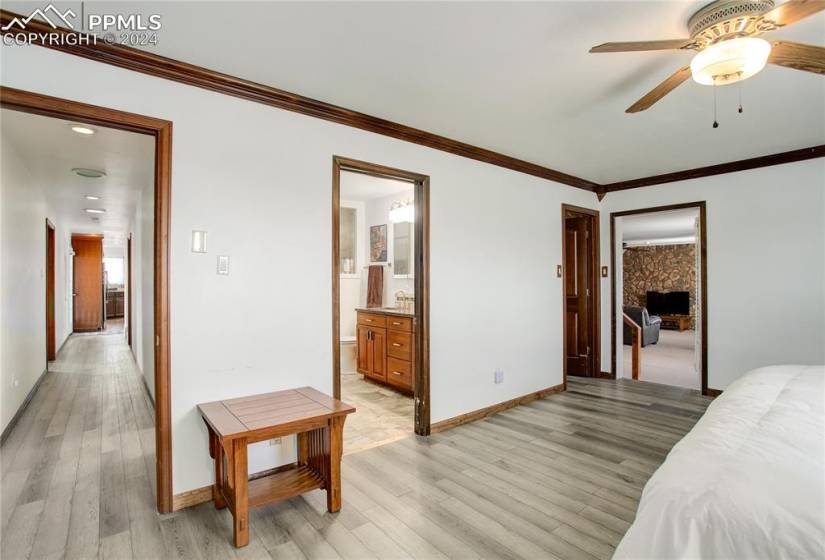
[95, 210]
[402, 211]
[82, 129]
[88, 173]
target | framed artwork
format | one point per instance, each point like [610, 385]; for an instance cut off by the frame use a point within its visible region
[378, 244]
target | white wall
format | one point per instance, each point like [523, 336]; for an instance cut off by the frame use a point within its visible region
[766, 264]
[23, 294]
[259, 181]
[142, 288]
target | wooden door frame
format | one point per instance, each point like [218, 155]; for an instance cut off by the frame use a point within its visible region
[161, 131]
[595, 285]
[422, 279]
[703, 255]
[51, 280]
[129, 292]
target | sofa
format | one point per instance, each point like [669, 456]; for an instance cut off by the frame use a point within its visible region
[651, 325]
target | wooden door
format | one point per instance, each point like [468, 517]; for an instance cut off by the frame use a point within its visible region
[578, 281]
[51, 343]
[363, 350]
[88, 282]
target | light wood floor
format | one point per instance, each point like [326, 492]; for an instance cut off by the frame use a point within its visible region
[559, 478]
[383, 416]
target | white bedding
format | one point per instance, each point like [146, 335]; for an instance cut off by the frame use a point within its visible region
[748, 481]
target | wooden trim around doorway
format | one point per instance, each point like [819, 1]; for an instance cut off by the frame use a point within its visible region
[161, 130]
[422, 279]
[129, 292]
[51, 334]
[595, 261]
[703, 255]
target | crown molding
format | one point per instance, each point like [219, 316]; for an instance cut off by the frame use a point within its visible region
[138, 60]
[719, 169]
[155, 65]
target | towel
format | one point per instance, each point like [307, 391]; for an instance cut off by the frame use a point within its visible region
[375, 286]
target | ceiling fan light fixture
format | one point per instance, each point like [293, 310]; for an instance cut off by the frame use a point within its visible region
[730, 61]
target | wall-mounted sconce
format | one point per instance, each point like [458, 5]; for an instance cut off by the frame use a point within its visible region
[604, 272]
[198, 241]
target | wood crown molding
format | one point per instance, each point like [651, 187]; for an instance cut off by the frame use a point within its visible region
[162, 67]
[719, 169]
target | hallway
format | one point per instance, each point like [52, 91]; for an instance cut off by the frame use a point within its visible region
[78, 468]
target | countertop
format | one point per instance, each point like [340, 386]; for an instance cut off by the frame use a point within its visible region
[386, 311]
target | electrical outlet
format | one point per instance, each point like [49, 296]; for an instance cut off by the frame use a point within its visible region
[274, 442]
[498, 377]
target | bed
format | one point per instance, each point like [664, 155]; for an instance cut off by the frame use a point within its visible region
[748, 481]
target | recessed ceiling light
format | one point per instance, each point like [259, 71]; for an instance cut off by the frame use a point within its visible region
[91, 197]
[95, 210]
[83, 129]
[90, 173]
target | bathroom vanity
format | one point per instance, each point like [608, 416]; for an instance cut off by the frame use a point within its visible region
[386, 346]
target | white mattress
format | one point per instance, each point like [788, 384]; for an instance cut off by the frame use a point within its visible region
[748, 481]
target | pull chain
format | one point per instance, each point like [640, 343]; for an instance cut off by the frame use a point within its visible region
[740, 93]
[715, 122]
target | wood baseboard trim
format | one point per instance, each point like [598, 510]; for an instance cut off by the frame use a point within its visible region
[203, 494]
[713, 392]
[494, 409]
[23, 406]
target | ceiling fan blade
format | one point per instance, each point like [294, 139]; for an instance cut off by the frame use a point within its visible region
[793, 11]
[630, 46]
[654, 95]
[809, 58]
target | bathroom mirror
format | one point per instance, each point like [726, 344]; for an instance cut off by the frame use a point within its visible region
[402, 250]
[348, 236]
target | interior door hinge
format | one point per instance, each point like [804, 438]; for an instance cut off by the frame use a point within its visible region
[157, 340]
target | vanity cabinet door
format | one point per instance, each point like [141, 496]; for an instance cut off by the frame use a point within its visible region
[363, 347]
[378, 353]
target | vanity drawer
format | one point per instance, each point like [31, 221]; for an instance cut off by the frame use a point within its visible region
[372, 319]
[399, 345]
[399, 373]
[400, 323]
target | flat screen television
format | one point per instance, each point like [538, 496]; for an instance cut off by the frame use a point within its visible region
[669, 303]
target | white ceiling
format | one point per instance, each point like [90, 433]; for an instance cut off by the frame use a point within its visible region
[512, 77]
[357, 187]
[51, 149]
[659, 225]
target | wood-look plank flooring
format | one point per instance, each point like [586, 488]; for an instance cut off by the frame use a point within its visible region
[558, 478]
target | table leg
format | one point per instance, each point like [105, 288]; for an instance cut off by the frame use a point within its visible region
[217, 489]
[240, 494]
[335, 445]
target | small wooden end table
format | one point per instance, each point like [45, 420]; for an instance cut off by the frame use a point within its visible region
[316, 418]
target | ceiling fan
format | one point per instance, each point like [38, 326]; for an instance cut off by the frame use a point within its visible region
[725, 35]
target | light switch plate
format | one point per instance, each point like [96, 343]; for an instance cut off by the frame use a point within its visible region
[223, 265]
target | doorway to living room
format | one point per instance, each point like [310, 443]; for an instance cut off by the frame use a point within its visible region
[659, 286]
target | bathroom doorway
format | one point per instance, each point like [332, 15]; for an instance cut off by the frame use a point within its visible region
[380, 250]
